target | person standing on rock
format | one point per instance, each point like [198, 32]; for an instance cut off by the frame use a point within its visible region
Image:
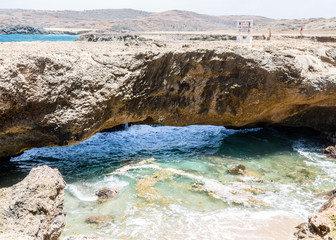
[301, 30]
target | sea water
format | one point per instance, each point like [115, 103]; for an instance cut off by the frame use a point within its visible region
[177, 183]
[32, 38]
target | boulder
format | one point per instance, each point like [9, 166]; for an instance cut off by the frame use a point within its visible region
[34, 208]
[106, 193]
[330, 151]
[237, 170]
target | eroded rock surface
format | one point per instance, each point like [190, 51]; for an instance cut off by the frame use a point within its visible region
[33, 208]
[54, 94]
[321, 225]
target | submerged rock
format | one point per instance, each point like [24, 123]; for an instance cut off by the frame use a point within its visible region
[237, 170]
[321, 225]
[84, 237]
[33, 208]
[330, 151]
[106, 193]
[100, 220]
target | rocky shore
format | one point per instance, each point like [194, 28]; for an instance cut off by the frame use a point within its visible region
[322, 224]
[33, 209]
[54, 94]
[21, 29]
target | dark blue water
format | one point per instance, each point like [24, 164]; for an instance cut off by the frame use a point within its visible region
[32, 38]
[105, 152]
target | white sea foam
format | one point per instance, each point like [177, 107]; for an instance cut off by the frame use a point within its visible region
[85, 191]
[81, 193]
[178, 222]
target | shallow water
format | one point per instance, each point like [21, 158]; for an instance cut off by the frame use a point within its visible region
[32, 38]
[174, 182]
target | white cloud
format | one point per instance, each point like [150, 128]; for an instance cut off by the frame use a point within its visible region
[268, 8]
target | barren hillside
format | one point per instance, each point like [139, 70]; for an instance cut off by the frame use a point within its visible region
[174, 20]
[122, 19]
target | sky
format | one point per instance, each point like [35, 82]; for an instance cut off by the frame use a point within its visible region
[267, 8]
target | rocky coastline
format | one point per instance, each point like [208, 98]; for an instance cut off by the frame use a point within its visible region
[56, 94]
[33, 209]
[7, 29]
[322, 224]
[21, 29]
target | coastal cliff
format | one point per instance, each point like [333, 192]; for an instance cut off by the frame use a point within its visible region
[55, 94]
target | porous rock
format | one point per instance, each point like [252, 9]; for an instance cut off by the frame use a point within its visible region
[55, 94]
[33, 208]
[321, 225]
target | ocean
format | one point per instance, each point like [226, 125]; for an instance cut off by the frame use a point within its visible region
[31, 38]
[180, 183]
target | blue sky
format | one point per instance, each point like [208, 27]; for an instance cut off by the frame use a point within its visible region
[267, 8]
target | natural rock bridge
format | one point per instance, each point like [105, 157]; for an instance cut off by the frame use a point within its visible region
[54, 94]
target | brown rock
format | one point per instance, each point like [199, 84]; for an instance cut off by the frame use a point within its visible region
[321, 225]
[237, 170]
[106, 193]
[33, 208]
[305, 232]
[62, 93]
[330, 151]
[99, 220]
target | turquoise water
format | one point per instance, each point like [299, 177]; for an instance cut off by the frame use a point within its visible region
[175, 182]
[31, 38]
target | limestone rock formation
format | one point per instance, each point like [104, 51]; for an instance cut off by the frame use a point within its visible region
[54, 94]
[33, 208]
[321, 225]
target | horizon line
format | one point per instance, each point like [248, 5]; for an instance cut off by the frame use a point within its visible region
[98, 9]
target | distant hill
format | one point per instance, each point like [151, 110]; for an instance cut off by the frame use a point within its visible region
[134, 20]
[121, 19]
[313, 24]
